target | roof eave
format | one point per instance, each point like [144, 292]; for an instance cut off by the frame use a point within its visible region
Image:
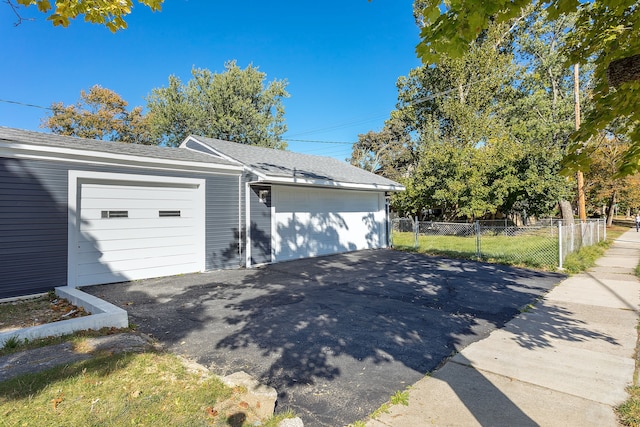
[30, 150]
[329, 183]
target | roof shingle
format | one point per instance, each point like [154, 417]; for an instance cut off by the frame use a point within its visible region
[286, 164]
[109, 147]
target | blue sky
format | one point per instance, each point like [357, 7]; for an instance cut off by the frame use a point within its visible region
[340, 57]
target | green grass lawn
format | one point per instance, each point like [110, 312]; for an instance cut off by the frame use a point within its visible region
[534, 249]
[537, 250]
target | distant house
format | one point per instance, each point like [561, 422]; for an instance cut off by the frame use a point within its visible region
[81, 212]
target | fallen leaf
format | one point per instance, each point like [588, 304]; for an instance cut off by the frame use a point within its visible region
[243, 405]
[56, 402]
[212, 412]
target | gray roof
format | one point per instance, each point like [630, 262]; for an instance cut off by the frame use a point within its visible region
[109, 147]
[286, 164]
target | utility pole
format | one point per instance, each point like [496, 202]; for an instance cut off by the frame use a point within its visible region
[582, 212]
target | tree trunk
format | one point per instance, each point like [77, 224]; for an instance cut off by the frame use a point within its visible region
[612, 203]
[567, 211]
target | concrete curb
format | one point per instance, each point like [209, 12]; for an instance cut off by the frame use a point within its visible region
[103, 315]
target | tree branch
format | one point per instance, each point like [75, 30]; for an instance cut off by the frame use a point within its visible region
[15, 11]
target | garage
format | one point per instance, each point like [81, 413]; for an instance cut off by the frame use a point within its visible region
[80, 212]
[134, 227]
[300, 205]
[318, 221]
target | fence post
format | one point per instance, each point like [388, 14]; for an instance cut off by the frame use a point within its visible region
[572, 227]
[416, 232]
[604, 227]
[560, 245]
[476, 226]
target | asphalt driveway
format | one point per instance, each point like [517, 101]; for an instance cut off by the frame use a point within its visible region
[338, 335]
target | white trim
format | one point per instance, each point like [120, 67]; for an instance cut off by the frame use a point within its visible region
[77, 176]
[247, 225]
[215, 152]
[40, 152]
[274, 224]
[301, 182]
[240, 240]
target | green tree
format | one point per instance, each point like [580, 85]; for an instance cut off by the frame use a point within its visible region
[607, 33]
[465, 159]
[390, 152]
[234, 105]
[540, 112]
[491, 129]
[460, 97]
[101, 114]
[110, 13]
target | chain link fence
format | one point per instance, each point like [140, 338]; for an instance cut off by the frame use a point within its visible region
[544, 244]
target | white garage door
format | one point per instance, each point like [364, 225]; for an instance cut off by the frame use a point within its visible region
[313, 221]
[130, 231]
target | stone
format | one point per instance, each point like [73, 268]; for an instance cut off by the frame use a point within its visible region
[260, 398]
[291, 422]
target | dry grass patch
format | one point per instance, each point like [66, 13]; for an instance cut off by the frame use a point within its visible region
[36, 311]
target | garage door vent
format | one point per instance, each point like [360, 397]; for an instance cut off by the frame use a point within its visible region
[115, 214]
[163, 214]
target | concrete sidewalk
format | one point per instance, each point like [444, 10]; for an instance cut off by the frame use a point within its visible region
[566, 362]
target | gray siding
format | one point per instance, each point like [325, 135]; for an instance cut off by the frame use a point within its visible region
[33, 226]
[260, 226]
[222, 223]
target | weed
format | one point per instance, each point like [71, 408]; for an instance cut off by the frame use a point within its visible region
[358, 423]
[275, 420]
[400, 398]
[526, 309]
[383, 409]
[12, 343]
[629, 411]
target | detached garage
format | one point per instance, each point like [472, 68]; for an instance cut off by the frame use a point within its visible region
[300, 206]
[81, 212]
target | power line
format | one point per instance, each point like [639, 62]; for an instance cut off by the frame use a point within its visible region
[319, 142]
[23, 104]
[342, 125]
[408, 104]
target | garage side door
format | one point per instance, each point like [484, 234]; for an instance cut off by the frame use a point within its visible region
[135, 231]
[311, 222]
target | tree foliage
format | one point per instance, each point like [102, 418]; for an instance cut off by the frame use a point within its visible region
[101, 114]
[390, 152]
[234, 105]
[604, 186]
[110, 13]
[488, 129]
[606, 33]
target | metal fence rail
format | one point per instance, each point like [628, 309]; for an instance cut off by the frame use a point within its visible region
[545, 243]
